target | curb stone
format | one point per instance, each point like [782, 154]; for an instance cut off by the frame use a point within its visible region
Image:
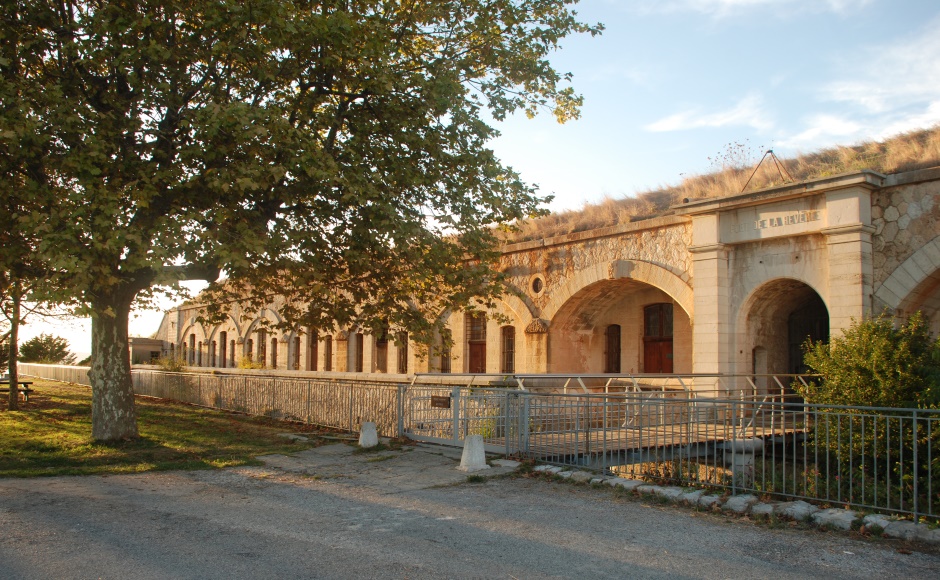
[799, 510]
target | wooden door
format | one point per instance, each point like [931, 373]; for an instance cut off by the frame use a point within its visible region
[477, 357]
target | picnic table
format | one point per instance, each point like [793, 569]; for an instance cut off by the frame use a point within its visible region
[22, 387]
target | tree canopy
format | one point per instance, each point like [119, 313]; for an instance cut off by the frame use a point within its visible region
[47, 349]
[334, 152]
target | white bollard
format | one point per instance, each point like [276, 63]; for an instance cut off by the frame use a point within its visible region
[368, 436]
[473, 458]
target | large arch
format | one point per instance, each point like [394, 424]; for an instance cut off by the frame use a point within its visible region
[579, 334]
[772, 324]
[915, 285]
[638, 270]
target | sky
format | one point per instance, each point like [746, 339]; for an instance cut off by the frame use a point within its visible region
[671, 84]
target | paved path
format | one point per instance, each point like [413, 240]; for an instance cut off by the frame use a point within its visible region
[329, 513]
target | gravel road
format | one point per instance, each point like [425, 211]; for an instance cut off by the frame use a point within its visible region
[331, 513]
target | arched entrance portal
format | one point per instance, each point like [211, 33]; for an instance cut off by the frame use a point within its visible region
[620, 326]
[782, 315]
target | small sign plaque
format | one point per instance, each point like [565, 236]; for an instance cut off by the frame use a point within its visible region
[440, 402]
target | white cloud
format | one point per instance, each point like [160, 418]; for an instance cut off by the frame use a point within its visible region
[724, 8]
[894, 76]
[747, 112]
[821, 129]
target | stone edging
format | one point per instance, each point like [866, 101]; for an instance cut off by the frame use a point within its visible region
[834, 518]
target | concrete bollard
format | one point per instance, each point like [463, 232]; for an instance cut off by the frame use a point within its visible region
[368, 436]
[474, 457]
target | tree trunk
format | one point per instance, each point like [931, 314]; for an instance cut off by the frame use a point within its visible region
[113, 416]
[14, 400]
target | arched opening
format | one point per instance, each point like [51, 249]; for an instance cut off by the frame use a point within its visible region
[609, 327]
[781, 316]
[223, 343]
[508, 349]
[381, 351]
[312, 349]
[403, 353]
[476, 342]
[327, 353]
[924, 298]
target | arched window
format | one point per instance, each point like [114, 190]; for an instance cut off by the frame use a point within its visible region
[381, 351]
[312, 350]
[231, 352]
[274, 353]
[445, 350]
[262, 348]
[508, 349]
[360, 352]
[403, 353]
[199, 354]
[327, 353]
[476, 342]
[192, 349]
[295, 363]
[212, 348]
[223, 342]
[250, 349]
[612, 351]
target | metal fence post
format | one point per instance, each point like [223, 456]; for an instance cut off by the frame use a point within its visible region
[401, 410]
[455, 398]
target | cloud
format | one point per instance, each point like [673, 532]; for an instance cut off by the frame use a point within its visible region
[725, 8]
[747, 112]
[894, 76]
[821, 129]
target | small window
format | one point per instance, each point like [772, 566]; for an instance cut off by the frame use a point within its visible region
[476, 327]
[403, 353]
[612, 354]
[273, 353]
[360, 351]
[295, 363]
[223, 342]
[508, 349]
[445, 351]
[327, 353]
[312, 349]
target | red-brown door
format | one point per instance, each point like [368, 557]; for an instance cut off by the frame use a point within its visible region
[477, 357]
[657, 355]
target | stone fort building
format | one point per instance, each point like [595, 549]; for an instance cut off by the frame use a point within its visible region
[724, 285]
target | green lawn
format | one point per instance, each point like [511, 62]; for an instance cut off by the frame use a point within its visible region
[51, 435]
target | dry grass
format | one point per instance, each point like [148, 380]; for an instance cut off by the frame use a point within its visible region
[906, 152]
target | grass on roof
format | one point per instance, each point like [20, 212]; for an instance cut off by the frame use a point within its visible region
[51, 435]
[905, 152]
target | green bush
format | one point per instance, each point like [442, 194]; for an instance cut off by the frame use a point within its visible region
[880, 457]
[877, 365]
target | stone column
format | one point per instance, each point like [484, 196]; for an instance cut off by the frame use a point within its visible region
[534, 348]
[711, 328]
[848, 237]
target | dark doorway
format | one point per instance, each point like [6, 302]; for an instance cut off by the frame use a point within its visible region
[810, 320]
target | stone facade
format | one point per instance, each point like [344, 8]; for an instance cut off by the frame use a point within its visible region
[725, 285]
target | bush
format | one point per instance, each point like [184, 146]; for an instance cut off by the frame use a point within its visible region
[875, 364]
[173, 364]
[883, 457]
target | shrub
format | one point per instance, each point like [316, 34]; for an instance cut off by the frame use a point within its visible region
[173, 364]
[883, 457]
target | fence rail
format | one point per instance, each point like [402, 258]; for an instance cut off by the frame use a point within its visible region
[740, 433]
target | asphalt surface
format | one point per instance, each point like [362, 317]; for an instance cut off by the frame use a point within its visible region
[331, 513]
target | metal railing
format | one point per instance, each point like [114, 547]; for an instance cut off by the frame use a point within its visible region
[739, 433]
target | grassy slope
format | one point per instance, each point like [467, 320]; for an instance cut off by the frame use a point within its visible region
[51, 435]
[905, 152]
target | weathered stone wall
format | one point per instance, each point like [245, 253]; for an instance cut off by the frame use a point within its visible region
[905, 218]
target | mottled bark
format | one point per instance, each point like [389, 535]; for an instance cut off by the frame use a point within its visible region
[113, 416]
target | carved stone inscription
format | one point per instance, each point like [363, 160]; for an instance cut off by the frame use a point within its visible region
[770, 221]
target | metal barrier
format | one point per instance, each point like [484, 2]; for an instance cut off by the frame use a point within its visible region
[732, 432]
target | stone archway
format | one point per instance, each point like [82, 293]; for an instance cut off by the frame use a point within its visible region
[915, 286]
[774, 322]
[579, 334]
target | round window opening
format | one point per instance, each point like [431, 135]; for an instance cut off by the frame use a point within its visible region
[537, 285]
